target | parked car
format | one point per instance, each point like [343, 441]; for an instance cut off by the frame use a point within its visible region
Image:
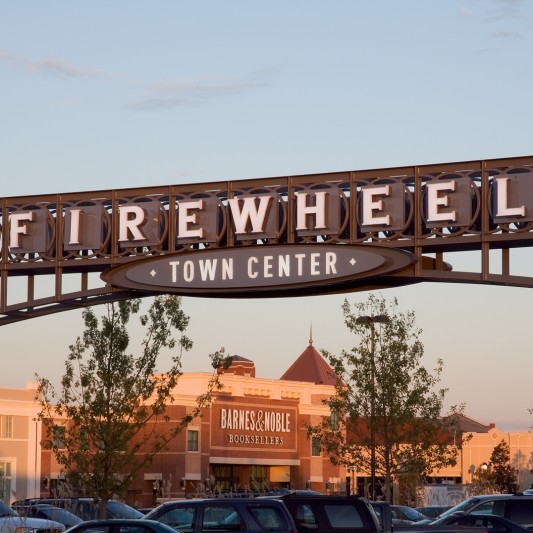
[332, 514]
[48, 512]
[347, 514]
[225, 514]
[145, 510]
[86, 508]
[121, 526]
[389, 525]
[515, 507]
[406, 514]
[433, 511]
[305, 492]
[11, 522]
[491, 523]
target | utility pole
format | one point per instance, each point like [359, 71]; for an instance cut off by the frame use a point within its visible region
[370, 322]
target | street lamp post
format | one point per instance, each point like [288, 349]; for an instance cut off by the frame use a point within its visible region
[370, 322]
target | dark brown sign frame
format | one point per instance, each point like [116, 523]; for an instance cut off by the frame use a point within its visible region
[430, 212]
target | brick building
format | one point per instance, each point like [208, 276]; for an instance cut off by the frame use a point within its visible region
[253, 436]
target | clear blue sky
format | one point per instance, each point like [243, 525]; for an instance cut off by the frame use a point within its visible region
[101, 95]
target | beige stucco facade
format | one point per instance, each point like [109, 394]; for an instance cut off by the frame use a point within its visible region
[20, 450]
[480, 447]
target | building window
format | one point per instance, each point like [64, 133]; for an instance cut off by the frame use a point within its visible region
[258, 477]
[226, 477]
[315, 446]
[5, 481]
[58, 437]
[6, 426]
[192, 440]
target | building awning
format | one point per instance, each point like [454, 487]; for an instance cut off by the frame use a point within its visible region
[263, 461]
[154, 476]
[194, 476]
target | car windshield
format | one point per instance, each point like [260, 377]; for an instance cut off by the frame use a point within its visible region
[462, 507]
[122, 510]
[5, 510]
[410, 513]
[60, 515]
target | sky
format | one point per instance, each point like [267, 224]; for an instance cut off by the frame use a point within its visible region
[109, 95]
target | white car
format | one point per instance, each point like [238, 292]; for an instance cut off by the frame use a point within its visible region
[11, 522]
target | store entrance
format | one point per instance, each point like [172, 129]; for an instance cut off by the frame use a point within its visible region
[238, 478]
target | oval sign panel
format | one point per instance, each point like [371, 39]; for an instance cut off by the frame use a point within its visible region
[248, 271]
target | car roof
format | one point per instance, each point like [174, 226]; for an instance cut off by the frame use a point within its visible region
[34, 504]
[121, 520]
[501, 496]
[197, 501]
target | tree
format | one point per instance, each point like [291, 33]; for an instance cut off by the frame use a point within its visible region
[504, 475]
[498, 476]
[110, 399]
[482, 480]
[389, 415]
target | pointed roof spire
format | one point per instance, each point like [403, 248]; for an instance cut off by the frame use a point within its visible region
[311, 334]
[311, 367]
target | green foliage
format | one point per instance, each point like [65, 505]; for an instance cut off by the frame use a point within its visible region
[504, 474]
[482, 481]
[110, 399]
[386, 399]
[498, 475]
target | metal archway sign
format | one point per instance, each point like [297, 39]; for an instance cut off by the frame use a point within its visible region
[282, 236]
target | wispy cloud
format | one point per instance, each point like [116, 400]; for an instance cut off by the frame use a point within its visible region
[52, 67]
[155, 95]
[506, 35]
[186, 93]
[508, 14]
[154, 103]
[505, 9]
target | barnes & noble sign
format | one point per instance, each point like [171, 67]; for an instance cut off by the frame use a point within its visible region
[253, 426]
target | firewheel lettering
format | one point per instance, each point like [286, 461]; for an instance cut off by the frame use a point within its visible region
[140, 223]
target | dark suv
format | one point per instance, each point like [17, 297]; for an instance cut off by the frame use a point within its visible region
[330, 514]
[224, 514]
[515, 507]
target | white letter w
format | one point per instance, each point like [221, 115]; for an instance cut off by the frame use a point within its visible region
[249, 212]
